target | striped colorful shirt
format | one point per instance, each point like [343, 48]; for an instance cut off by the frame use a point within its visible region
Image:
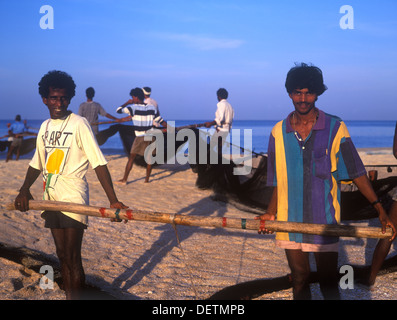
[143, 117]
[308, 173]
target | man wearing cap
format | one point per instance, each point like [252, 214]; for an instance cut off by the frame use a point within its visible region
[147, 91]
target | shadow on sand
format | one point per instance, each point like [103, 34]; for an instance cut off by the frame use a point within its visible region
[256, 288]
[34, 260]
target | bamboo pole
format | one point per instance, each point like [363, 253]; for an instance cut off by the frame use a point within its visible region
[215, 222]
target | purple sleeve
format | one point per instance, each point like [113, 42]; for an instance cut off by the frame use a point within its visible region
[271, 162]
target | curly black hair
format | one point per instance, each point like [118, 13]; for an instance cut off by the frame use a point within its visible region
[57, 80]
[304, 76]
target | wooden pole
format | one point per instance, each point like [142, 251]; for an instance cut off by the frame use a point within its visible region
[215, 222]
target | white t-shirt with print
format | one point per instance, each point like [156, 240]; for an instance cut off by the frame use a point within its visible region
[64, 150]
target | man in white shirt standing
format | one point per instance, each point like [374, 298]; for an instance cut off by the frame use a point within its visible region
[223, 118]
[224, 113]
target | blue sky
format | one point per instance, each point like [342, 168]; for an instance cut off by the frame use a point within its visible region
[185, 50]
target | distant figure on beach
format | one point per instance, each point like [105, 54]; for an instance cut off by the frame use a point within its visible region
[224, 115]
[64, 149]
[383, 247]
[15, 131]
[143, 116]
[91, 109]
[10, 138]
[309, 153]
[147, 91]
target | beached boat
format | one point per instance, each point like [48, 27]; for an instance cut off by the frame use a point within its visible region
[27, 146]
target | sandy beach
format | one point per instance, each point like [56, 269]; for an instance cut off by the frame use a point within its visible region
[150, 261]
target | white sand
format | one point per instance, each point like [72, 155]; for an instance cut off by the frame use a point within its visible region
[143, 260]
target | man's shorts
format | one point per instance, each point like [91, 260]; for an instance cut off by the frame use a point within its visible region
[16, 142]
[58, 220]
[139, 145]
[308, 247]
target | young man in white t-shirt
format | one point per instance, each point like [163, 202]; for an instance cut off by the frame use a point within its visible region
[64, 149]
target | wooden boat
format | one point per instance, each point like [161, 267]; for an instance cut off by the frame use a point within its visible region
[27, 146]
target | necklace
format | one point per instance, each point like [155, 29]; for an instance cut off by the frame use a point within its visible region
[293, 127]
[61, 129]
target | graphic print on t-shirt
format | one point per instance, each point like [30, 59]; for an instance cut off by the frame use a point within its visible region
[57, 144]
[54, 161]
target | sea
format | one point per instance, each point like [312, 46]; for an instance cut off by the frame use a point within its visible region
[253, 135]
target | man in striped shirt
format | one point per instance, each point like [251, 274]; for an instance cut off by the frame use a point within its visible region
[143, 117]
[309, 154]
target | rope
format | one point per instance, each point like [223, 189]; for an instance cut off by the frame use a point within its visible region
[236, 146]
